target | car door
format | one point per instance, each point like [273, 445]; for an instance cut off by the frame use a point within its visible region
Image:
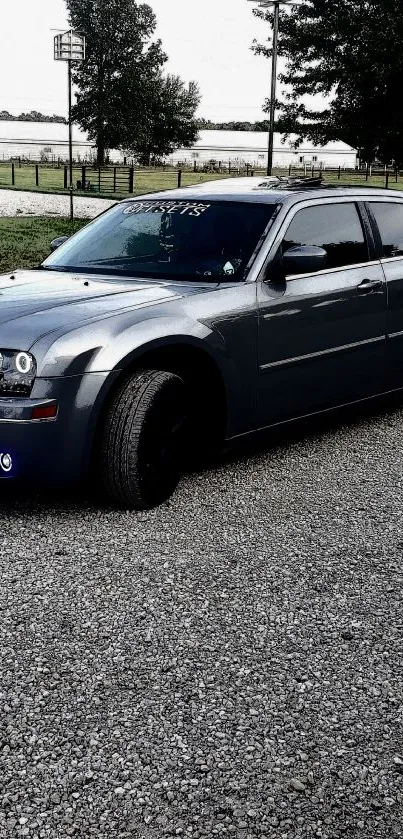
[322, 335]
[387, 218]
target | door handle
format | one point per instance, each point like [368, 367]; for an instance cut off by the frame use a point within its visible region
[369, 285]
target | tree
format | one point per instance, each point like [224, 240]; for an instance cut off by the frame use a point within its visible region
[168, 121]
[120, 82]
[348, 51]
[262, 125]
[32, 116]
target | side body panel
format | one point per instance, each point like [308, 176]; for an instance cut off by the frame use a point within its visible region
[393, 271]
[322, 336]
[320, 343]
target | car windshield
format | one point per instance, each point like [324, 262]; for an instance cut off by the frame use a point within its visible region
[193, 240]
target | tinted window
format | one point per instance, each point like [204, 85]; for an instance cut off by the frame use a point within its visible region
[192, 240]
[335, 228]
[389, 218]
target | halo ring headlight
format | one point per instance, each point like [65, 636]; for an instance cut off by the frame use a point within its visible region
[23, 362]
[6, 462]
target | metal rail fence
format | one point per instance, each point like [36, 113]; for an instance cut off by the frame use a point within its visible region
[108, 180]
[129, 180]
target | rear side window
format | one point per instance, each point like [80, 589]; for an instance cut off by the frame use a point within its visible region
[389, 218]
[335, 227]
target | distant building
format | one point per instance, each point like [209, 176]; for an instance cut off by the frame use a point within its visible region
[33, 140]
[241, 147]
[49, 140]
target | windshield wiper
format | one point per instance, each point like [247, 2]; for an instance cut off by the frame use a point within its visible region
[122, 259]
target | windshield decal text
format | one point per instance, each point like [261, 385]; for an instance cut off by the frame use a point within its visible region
[190, 208]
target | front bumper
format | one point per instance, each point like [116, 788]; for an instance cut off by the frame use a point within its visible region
[56, 450]
[24, 441]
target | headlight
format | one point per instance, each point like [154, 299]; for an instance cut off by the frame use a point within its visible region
[17, 373]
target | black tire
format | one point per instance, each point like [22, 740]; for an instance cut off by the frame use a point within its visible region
[141, 445]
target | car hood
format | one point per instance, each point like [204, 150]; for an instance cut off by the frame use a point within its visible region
[34, 303]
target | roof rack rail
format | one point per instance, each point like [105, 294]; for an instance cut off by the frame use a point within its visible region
[298, 183]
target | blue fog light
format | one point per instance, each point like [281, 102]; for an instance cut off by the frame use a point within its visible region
[6, 462]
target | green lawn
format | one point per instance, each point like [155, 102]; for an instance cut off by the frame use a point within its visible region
[51, 179]
[359, 180]
[24, 243]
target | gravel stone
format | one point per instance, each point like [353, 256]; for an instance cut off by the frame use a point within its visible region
[296, 784]
[15, 202]
[248, 578]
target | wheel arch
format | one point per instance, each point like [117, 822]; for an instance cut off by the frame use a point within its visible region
[186, 357]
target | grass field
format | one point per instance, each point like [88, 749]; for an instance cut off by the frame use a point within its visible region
[51, 179]
[24, 243]
[359, 180]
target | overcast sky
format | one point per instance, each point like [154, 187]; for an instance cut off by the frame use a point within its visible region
[208, 41]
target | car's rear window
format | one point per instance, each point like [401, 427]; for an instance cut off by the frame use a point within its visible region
[192, 240]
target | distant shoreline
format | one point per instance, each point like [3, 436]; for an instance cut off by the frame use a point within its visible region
[32, 116]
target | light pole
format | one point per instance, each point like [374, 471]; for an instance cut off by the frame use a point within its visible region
[69, 46]
[275, 5]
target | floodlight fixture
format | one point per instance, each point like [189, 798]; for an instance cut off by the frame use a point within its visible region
[69, 46]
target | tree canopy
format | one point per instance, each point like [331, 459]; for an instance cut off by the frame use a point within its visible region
[350, 53]
[262, 125]
[124, 101]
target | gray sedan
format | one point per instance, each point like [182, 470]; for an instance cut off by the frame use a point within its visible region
[180, 320]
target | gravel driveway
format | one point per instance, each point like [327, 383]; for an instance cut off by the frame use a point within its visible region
[13, 202]
[228, 665]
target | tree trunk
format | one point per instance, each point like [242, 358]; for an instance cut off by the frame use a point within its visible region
[100, 116]
[100, 150]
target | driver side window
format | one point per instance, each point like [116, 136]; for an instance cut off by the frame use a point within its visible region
[336, 228]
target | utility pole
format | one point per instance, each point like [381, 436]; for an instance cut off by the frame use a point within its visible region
[70, 144]
[275, 5]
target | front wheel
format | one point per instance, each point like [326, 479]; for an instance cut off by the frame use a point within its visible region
[142, 440]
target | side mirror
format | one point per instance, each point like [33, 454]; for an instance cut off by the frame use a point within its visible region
[57, 242]
[304, 259]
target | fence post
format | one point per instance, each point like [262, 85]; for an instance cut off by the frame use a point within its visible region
[36, 174]
[19, 163]
[179, 178]
[339, 178]
[397, 175]
[367, 172]
[195, 166]
[387, 180]
[229, 167]
[313, 171]
[65, 177]
[289, 171]
[12, 174]
[131, 179]
[83, 177]
[114, 178]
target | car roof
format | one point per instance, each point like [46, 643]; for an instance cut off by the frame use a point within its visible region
[266, 190]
